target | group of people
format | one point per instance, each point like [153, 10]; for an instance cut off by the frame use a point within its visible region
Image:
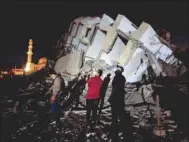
[95, 95]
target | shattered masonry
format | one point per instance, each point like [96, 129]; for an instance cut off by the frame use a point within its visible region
[120, 42]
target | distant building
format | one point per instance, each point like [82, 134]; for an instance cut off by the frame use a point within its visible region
[32, 67]
[18, 71]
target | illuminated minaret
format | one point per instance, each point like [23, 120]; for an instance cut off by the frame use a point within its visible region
[29, 59]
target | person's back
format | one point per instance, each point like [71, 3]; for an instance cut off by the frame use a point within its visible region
[105, 83]
[82, 82]
[57, 84]
[118, 91]
[57, 88]
[94, 85]
[103, 90]
[118, 108]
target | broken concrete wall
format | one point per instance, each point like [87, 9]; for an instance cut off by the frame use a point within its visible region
[86, 32]
[120, 41]
[105, 20]
[95, 47]
[127, 53]
[134, 70]
[125, 25]
[121, 23]
[70, 63]
[88, 23]
[72, 33]
[115, 53]
[74, 26]
[149, 38]
[83, 29]
[146, 35]
[112, 45]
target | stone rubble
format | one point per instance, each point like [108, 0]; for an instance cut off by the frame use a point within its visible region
[122, 43]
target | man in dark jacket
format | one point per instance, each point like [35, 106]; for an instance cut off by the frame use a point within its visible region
[103, 92]
[80, 87]
[117, 101]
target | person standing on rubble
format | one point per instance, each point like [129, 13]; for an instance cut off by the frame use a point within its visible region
[92, 97]
[117, 101]
[57, 87]
[103, 92]
[80, 87]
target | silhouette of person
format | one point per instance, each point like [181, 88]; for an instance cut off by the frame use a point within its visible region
[80, 87]
[103, 92]
[116, 100]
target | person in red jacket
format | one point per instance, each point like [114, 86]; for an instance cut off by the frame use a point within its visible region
[92, 98]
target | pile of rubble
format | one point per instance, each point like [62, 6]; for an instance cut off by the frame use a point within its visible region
[107, 42]
[32, 121]
[101, 42]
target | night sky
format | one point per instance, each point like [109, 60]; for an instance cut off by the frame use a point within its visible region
[44, 22]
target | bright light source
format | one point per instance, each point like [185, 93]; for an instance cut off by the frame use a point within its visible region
[27, 69]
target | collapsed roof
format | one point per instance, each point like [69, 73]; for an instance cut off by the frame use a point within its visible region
[117, 42]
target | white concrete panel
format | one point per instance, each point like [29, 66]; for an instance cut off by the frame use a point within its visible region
[87, 23]
[78, 20]
[75, 42]
[82, 32]
[117, 49]
[115, 53]
[92, 26]
[121, 23]
[74, 29]
[137, 76]
[165, 52]
[84, 21]
[69, 40]
[79, 30]
[95, 48]
[106, 20]
[70, 63]
[91, 32]
[149, 37]
[125, 25]
[134, 63]
[109, 39]
[106, 58]
[75, 26]
[91, 22]
[127, 53]
[82, 47]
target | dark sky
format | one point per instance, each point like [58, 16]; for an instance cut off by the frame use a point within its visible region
[44, 22]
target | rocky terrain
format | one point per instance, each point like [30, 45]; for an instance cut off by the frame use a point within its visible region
[32, 121]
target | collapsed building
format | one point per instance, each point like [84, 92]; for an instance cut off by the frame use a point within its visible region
[102, 42]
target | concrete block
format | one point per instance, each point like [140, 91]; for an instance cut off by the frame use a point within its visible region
[71, 63]
[95, 47]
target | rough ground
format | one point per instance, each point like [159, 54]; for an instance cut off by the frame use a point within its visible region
[32, 123]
